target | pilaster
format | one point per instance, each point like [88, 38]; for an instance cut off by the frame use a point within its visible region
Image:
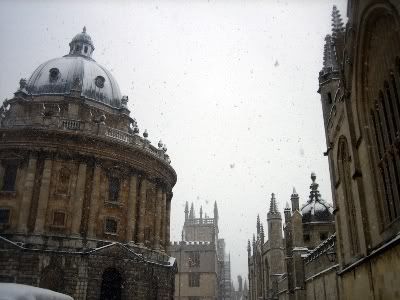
[131, 214]
[143, 192]
[43, 196]
[77, 203]
[158, 217]
[94, 201]
[27, 195]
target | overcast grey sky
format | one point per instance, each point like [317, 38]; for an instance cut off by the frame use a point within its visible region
[229, 86]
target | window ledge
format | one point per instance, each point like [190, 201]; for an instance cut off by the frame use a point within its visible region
[111, 233]
[8, 193]
[112, 203]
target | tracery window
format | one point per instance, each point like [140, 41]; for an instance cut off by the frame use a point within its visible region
[384, 116]
[345, 180]
[194, 259]
[194, 279]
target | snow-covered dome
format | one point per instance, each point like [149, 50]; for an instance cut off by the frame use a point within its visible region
[316, 209]
[76, 71]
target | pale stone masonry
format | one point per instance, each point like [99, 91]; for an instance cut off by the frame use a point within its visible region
[203, 266]
[84, 200]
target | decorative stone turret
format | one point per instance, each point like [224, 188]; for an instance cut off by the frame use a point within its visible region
[294, 198]
[274, 220]
[287, 212]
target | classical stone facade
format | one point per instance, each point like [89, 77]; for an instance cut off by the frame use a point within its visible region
[360, 88]
[203, 267]
[84, 200]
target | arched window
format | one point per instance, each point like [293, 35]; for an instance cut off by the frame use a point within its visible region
[113, 189]
[64, 176]
[344, 167]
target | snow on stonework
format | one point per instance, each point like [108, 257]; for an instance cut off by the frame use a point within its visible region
[316, 209]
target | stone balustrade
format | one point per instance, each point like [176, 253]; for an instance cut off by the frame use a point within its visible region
[85, 127]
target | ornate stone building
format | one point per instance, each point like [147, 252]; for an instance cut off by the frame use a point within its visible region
[276, 267]
[360, 88]
[203, 267]
[84, 200]
[266, 259]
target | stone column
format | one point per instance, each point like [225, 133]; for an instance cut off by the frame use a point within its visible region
[43, 196]
[25, 206]
[163, 220]
[79, 194]
[131, 214]
[94, 202]
[158, 216]
[143, 192]
[168, 218]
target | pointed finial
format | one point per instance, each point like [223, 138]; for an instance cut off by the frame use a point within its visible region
[262, 235]
[84, 29]
[294, 191]
[191, 215]
[273, 209]
[337, 23]
[313, 176]
[215, 210]
[258, 224]
[201, 212]
[287, 206]
[248, 246]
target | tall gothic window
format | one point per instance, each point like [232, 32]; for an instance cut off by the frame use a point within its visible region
[345, 179]
[385, 119]
[381, 91]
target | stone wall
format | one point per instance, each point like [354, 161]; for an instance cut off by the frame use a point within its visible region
[79, 274]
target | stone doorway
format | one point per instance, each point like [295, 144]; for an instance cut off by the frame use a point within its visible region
[111, 285]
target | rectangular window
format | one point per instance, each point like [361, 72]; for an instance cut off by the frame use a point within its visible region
[4, 216]
[113, 189]
[306, 237]
[10, 175]
[59, 219]
[194, 259]
[194, 279]
[323, 236]
[111, 226]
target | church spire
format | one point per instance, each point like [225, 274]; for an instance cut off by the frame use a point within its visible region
[330, 61]
[215, 211]
[337, 23]
[258, 225]
[186, 210]
[191, 214]
[262, 235]
[273, 208]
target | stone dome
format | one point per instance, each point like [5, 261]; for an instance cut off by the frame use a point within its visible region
[316, 209]
[76, 71]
